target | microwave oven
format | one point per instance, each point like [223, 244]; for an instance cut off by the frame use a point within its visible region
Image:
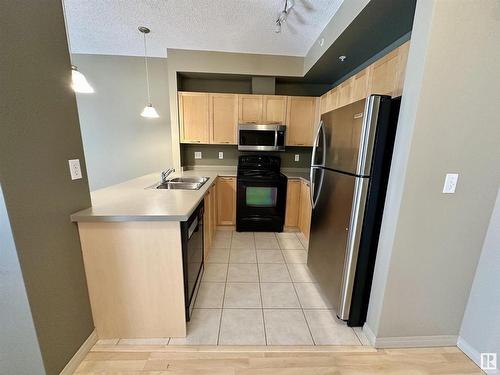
[261, 137]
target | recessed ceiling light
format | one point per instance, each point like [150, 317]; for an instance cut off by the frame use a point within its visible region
[342, 58]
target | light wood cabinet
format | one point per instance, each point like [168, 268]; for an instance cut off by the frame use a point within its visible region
[383, 75]
[360, 85]
[226, 200]
[402, 60]
[193, 117]
[300, 120]
[209, 219]
[292, 203]
[207, 224]
[274, 109]
[223, 113]
[305, 210]
[345, 92]
[250, 108]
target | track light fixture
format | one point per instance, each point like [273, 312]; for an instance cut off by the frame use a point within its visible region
[283, 15]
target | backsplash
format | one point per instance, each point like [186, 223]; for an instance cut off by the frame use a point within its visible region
[210, 155]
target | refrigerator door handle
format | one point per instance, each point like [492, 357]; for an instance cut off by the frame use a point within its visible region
[314, 200]
[320, 132]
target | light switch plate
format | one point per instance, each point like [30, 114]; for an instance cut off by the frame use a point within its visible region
[74, 169]
[450, 183]
[221, 155]
[297, 157]
[197, 154]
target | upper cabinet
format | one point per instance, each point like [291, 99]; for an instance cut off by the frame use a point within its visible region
[300, 120]
[274, 109]
[361, 85]
[250, 108]
[193, 117]
[384, 72]
[223, 113]
[402, 60]
[385, 76]
[345, 92]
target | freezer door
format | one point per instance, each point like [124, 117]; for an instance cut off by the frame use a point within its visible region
[334, 227]
[349, 136]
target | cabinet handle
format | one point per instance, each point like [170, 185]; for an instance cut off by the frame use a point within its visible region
[300, 144]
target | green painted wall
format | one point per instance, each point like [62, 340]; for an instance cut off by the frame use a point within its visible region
[39, 132]
[210, 156]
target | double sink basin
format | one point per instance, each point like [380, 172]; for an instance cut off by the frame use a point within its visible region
[182, 183]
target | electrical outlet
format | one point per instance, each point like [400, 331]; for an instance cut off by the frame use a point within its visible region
[74, 169]
[450, 183]
[297, 157]
[197, 154]
[221, 155]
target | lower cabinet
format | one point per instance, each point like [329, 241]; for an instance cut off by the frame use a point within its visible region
[305, 209]
[208, 220]
[292, 203]
[298, 206]
[226, 200]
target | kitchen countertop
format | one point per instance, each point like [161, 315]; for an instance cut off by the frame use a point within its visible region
[133, 201]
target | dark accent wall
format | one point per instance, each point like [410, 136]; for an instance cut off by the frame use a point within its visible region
[210, 156]
[39, 132]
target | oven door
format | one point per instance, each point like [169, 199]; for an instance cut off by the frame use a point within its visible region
[253, 137]
[260, 205]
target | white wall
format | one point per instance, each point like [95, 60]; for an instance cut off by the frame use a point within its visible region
[430, 242]
[119, 144]
[19, 350]
[480, 331]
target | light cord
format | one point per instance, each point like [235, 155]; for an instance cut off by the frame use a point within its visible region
[147, 71]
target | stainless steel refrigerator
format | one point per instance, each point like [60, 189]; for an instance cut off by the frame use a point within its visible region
[349, 171]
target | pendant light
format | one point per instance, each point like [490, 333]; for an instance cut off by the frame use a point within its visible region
[79, 83]
[149, 111]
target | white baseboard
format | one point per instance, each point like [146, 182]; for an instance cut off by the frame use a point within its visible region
[80, 354]
[473, 354]
[408, 341]
[369, 334]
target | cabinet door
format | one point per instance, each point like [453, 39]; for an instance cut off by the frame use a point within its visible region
[292, 203]
[305, 210]
[250, 108]
[345, 92]
[384, 73]
[301, 116]
[332, 100]
[274, 109]
[226, 200]
[223, 118]
[207, 223]
[360, 85]
[213, 219]
[402, 60]
[322, 103]
[193, 117]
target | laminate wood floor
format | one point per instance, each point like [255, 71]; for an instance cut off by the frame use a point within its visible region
[296, 360]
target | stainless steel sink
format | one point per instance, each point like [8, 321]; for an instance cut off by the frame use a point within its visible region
[190, 180]
[182, 183]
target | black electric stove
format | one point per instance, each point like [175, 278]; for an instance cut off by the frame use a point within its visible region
[261, 194]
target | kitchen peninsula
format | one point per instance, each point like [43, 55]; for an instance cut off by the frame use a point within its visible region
[132, 248]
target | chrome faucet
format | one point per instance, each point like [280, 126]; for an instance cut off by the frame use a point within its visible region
[165, 174]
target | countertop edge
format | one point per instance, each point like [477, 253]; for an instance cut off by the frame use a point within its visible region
[86, 215]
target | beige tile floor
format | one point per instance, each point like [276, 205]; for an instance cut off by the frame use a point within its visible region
[257, 290]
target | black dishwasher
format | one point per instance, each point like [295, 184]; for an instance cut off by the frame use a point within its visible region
[192, 256]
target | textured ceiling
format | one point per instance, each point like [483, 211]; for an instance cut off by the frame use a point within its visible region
[110, 26]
